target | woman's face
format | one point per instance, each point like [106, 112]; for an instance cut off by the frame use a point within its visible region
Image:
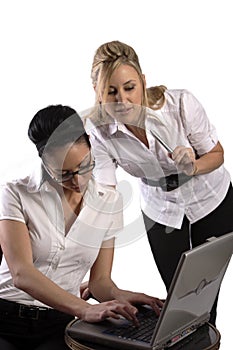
[124, 95]
[64, 161]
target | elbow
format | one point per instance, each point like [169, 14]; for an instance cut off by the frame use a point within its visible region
[220, 152]
[97, 289]
[20, 279]
[220, 159]
[93, 289]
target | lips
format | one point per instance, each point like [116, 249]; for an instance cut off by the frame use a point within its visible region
[75, 188]
[124, 110]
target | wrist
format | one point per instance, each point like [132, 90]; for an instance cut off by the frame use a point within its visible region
[81, 310]
[195, 169]
[121, 294]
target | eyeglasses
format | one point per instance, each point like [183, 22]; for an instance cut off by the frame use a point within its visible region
[60, 178]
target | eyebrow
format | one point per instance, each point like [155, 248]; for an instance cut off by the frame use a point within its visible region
[127, 82]
[67, 170]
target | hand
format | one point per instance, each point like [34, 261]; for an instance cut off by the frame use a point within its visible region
[140, 298]
[84, 291]
[184, 159]
[113, 308]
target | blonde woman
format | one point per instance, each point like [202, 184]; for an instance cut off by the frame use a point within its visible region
[164, 138]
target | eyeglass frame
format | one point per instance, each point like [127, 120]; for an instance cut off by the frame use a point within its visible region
[84, 170]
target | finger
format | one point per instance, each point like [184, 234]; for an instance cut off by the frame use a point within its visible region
[133, 314]
[86, 294]
[111, 314]
[183, 159]
[180, 155]
[181, 151]
[156, 304]
[176, 151]
[160, 302]
[157, 308]
[133, 318]
[107, 313]
[129, 312]
[170, 155]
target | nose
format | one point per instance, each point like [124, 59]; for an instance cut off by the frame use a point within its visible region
[75, 179]
[121, 96]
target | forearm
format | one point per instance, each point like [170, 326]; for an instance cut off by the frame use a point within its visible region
[208, 162]
[106, 290]
[185, 160]
[103, 289]
[43, 289]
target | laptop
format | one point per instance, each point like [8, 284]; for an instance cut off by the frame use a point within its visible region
[187, 307]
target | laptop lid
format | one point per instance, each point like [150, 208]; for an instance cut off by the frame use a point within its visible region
[189, 301]
[193, 290]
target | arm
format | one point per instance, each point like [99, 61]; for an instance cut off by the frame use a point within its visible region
[185, 160]
[103, 288]
[210, 161]
[105, 168]
[202, 137]
[16, 246]
[101, 285]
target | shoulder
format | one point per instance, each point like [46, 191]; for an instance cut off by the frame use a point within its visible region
[25, 183]
[175, 95]
[11, 194]
[14, 185]
[180, 96]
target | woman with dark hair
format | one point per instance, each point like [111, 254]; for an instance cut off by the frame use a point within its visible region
[55, 225]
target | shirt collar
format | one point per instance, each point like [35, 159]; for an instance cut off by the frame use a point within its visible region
[117, 126]
[37, 180]
[150, 116]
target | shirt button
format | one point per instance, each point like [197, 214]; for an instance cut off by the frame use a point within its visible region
[55, 263]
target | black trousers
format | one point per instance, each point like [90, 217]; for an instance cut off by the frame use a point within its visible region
[167, 247]
[27, 333]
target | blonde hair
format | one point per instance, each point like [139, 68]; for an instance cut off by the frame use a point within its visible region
[111, 55]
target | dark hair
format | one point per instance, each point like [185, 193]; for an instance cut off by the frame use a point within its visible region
[56, 126]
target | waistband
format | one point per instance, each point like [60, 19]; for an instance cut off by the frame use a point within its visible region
[168, 183]
[11, 308]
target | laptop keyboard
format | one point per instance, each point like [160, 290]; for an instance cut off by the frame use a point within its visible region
[147, 319]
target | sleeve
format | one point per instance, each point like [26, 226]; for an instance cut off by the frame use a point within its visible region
[105, 166]
[200, 132]
[115, 204]
[10, 204]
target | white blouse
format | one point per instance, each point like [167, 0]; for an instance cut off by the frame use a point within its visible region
[181, 121]
[63, 258]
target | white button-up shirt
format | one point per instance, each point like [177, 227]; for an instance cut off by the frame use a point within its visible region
[181, 121]
[63, 258]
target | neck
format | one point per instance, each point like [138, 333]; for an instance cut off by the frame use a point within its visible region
[139, 132]
[68, 195]
[71, 196]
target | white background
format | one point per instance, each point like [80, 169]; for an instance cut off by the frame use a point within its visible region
[47, 48]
